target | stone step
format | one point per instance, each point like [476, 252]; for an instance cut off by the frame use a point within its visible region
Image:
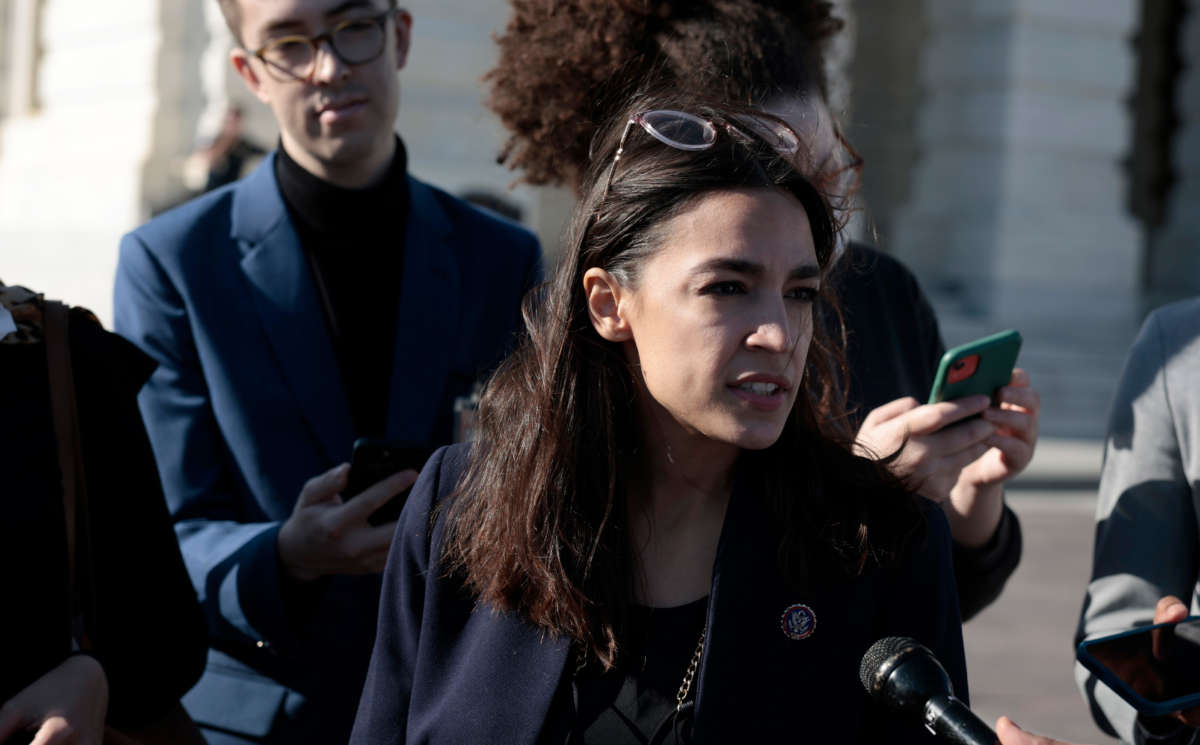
[1074, 360]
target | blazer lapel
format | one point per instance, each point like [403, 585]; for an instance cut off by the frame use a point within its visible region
[285, 297]
[427, 320]
[762, 679]
[738, 687]
[519, 659]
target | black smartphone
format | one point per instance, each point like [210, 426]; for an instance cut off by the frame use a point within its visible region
[1155, 668]
[373, 461]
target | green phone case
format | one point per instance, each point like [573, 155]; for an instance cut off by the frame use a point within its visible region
[997, 354]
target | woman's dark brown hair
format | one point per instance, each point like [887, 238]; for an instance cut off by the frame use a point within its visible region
[568, 66]
[539, 523]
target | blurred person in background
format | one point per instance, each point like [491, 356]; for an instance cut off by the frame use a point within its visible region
[327, 296]
[226, 158]
[567, 67]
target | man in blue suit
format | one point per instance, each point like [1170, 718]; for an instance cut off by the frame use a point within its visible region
[325, 297]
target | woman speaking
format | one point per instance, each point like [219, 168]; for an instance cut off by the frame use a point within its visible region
[655, 537]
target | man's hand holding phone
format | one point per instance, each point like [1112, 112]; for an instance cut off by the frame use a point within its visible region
[1171, 609]
[325, 535]
[1155, 669]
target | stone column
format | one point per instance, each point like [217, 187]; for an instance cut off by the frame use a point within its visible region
[179, 99]
[5, 28]
[452, 138]
[839, 59]
[885, 95]
[1018, 214]
[221, 87]
[1174, 265]
[1020, 188]
[21, 55]
[70, 176]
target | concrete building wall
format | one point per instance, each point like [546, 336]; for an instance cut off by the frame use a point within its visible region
[453, 139]
[1004, 158]
[886, 93]
[1175, 262]
[1021, 132]
[993, 133]
[6, 8]
[71, 166]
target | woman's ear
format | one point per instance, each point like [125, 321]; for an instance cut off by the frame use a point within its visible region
[604, 305]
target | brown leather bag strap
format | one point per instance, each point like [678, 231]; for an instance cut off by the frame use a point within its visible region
[173, 727]
[55, 322]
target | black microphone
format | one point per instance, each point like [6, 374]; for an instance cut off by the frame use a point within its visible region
[905, 676]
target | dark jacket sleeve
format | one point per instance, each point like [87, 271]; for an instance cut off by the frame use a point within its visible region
[893, 349]
[215, 532]
[893, 343]
[982, 572]
[924, 600]
[916, 598]
[383, 709]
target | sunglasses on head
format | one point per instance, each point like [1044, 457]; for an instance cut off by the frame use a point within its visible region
[684, 131]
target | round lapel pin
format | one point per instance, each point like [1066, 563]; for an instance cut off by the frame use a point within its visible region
[798, 622]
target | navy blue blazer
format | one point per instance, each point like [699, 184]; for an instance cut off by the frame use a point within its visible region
[445, 671]
[248, 403]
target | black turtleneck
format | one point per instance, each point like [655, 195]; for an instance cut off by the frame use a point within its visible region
[354, 242]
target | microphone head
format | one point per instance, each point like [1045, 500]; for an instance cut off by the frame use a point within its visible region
[902, 673]
[881, 658]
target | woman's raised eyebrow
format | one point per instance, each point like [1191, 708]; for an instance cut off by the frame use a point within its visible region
[754, 269]
[739, 266]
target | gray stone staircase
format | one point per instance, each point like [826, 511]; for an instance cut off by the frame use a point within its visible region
[1074, 357]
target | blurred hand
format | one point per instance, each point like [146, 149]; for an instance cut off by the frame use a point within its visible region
[65, 706]
[1012, 444]
[976, 501]
[1010, 734]
[1171, 609]
[326, 536]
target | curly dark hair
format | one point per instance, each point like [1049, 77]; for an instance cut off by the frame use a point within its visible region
[567, 66]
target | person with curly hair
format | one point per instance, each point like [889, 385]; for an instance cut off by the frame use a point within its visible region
[567, 66]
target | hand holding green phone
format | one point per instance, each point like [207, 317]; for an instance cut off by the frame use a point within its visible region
[982, 366]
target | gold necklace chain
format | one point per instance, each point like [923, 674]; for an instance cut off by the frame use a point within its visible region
[690, 675]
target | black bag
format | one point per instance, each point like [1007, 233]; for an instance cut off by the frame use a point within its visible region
[46, 323]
